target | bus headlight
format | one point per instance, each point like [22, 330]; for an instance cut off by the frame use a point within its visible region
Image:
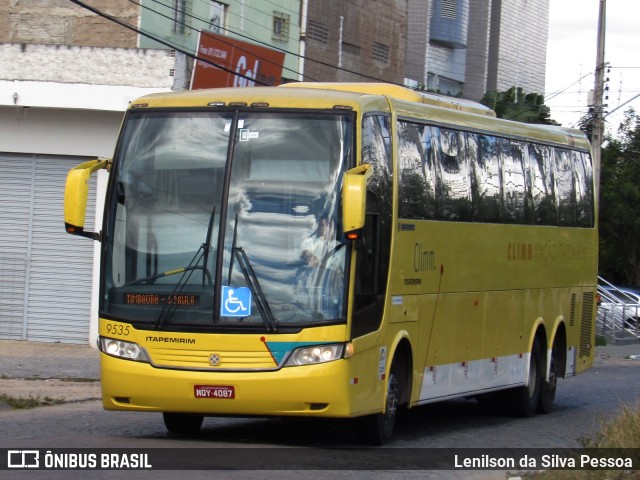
[122, 349]
[315, 354]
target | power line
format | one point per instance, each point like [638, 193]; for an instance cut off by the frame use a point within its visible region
[161, 41]
[306, 58]
[205, 32]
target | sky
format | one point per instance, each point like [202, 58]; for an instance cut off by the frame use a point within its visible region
[571, 58]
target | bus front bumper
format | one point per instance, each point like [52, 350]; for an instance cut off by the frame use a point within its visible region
[320, 390]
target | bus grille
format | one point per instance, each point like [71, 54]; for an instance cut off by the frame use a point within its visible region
[210, 360]
[586, 328]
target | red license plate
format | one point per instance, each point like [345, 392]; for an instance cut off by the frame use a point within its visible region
[224, 392]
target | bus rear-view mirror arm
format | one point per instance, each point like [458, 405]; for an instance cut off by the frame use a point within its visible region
[76, 193]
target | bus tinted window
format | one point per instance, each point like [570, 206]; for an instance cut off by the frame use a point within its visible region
[488, 181]
[512, 156]
[541, 180]
[452, 175]
[565, 188]
[454, 192]
[417, 171]
[583, 176]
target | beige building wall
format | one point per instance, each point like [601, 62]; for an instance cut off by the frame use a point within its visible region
[356, 41]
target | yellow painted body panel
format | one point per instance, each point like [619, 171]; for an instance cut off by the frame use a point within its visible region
[180, 361]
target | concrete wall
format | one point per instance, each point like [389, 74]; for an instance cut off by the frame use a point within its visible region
[64, 23]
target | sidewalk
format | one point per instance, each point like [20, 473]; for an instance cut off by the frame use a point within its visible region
[70, 373]
[49, 372]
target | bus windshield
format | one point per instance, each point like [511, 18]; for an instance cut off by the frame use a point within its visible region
[227, 219]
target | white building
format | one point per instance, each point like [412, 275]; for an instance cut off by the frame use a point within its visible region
[60, 104]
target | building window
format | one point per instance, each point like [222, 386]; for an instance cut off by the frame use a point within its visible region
[317, 31]
[380, 52]
[216, 17]
[280, 26]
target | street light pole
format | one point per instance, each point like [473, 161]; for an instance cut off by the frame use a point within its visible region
[597, 131]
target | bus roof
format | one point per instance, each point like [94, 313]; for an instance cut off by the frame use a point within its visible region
[400, 93]
[367, 97]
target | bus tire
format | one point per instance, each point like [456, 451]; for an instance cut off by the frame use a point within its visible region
[377, 429]
[182, 423]
[524, 400]
[548, 388]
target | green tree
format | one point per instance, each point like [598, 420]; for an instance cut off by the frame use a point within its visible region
[620, 204]
[516, 105]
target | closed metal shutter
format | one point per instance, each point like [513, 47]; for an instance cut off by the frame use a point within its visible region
[15, 199]
[45, 274]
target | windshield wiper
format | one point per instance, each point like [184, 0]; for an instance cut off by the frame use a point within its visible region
[238, 254]
[206, 246]
[201, 254]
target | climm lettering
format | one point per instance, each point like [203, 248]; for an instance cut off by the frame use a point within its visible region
[519, 251]
[423, 260]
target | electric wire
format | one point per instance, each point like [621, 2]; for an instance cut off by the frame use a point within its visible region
[162, 41]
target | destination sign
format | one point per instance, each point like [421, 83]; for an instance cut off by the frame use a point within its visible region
[178, 300]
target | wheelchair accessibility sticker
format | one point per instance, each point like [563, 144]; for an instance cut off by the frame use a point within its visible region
[236, 302]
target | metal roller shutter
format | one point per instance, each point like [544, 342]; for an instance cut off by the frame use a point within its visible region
[49, 295]
[15, 200]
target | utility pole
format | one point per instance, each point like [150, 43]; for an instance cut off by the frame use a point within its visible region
[597, 131]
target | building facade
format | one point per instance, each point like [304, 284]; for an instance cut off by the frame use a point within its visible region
[67, 77]
[355, 41]
[470, 47]
[176, 24]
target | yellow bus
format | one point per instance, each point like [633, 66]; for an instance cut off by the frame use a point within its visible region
[338, 250]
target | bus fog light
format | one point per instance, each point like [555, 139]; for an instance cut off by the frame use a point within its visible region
[315, 354]
[122, 349]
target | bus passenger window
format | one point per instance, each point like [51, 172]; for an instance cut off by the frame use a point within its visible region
[513, 179]
[542, 191]
[565, 188]
[417, 171]
[454, 186]
[488, 182]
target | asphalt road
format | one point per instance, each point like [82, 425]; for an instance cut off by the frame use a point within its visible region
[582, 403]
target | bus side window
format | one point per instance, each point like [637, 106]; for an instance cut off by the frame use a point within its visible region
[542, 190]
[513, 179]
[487, 173]
[583, 176]
[454, 186]
[565, 188]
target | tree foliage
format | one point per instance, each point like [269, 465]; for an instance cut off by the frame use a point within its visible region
[516, 105]
[620, 204]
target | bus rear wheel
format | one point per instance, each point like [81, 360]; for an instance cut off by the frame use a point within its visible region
[378, 429]
[524, 400]
[182, 423]
[548, 388]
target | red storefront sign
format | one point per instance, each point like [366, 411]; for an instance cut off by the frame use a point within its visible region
[246, 64]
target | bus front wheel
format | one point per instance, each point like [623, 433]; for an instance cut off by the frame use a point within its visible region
[378, 429]
[182, 423]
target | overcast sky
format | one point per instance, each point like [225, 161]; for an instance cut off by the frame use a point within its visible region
[571, 58]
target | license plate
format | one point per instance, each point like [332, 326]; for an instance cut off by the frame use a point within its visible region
[224, 392]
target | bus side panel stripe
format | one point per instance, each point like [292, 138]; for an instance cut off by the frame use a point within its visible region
[456, 379]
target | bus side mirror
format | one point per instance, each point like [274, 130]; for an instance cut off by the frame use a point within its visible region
[76, 193]
[354, 197]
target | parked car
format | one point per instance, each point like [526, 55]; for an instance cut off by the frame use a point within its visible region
[619, 305]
